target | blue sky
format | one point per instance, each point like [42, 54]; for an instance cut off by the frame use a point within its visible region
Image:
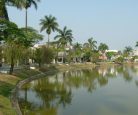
[114, 22]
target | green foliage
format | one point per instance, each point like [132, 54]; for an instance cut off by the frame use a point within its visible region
[119, 60]
[8, 29]
[38, 56]
[95, 56]
[102, 47]
[27, 3]
[31, 36]
[87, 56]
[64, 37]
[44, 55]
[12, 52]
[3, 10]
[16, 41]
[48, 24]
[127, 51]
[78, 49]
[48, 55]
[92, 44]
[4, 3]
[110, 54]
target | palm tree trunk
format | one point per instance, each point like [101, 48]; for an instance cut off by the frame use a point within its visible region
[56, 59]
[48, 41]
[26, 16]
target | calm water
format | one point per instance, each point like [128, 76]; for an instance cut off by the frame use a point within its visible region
[99, 91]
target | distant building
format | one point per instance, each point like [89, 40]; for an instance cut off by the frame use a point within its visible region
[115, 51]
[135, 52]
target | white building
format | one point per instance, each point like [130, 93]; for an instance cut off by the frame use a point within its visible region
[135, 52]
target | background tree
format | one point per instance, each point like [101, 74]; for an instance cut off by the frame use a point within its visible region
[95, 56]
[103, 47]
[110, 54]
[43, 55]
[27, 4]
[127, 51]
[48, 55]
[78, 52]
[92, 44]
[89, 49]
[64, 36]
[49, 24]
[38, 54]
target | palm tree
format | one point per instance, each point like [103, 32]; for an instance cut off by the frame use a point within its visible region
[102, 47]
[128, 50]
[16, 3]
[78, 51]
[27, 4]
[65, 36]
[92, 43]
[49, 24]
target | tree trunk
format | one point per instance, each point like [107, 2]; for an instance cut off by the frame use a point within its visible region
[12, 65]
[56, 59]
[48, 41]
[26, 16]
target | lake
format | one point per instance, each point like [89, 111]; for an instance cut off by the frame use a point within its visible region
[109, 90]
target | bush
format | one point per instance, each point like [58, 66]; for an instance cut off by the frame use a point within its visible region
[119, 60]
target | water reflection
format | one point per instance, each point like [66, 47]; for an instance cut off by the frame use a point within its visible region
[53, 94]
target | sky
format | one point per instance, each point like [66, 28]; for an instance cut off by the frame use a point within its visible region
[114, 22]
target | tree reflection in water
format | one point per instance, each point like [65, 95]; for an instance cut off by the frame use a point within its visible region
[56, 90]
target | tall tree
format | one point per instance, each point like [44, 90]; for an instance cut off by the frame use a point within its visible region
[64, 36]
[89, 49]
[127, 51]
[78, 51]
[92, 44]
[103, 47]
[16, 41]
[13, 44]
[27, 4]
[49, 24]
